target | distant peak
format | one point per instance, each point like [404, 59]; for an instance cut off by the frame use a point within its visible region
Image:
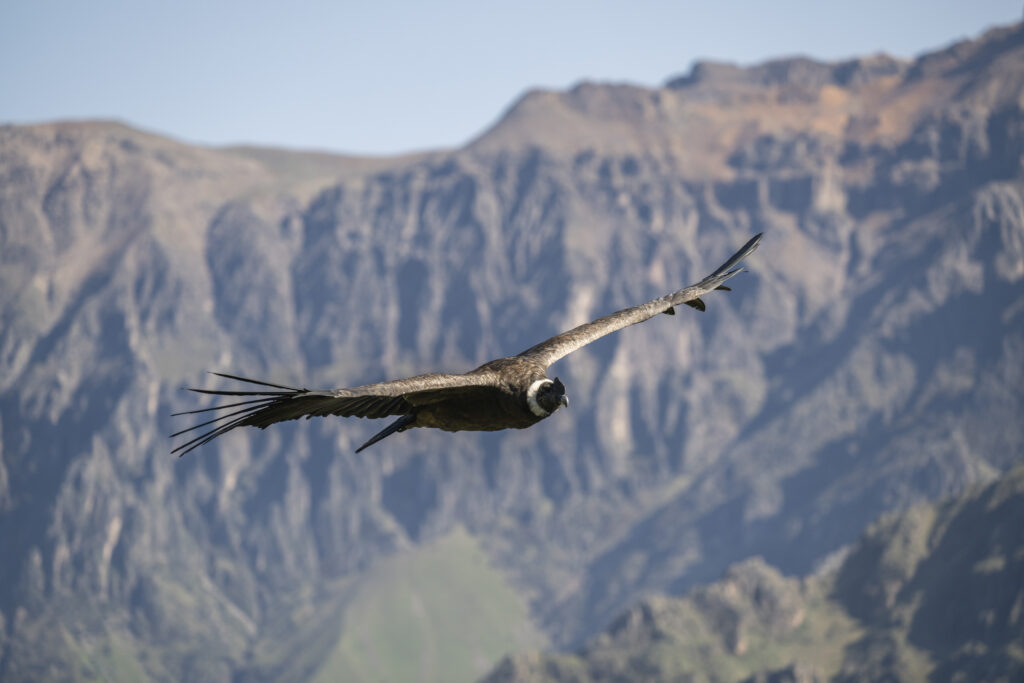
[799, 71]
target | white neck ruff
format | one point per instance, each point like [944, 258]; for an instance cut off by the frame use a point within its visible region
[531, 398]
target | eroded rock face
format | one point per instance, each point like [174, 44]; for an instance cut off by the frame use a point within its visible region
[871, 360]
[929, 594]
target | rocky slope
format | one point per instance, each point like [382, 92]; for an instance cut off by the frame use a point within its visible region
[873, 359]
[934, 593]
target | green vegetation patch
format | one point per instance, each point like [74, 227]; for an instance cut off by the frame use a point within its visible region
[437, 613]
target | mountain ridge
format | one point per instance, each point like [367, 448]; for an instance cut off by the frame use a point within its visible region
[870, 361]
[845, 99]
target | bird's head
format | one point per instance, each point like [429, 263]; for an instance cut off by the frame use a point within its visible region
[546, 396]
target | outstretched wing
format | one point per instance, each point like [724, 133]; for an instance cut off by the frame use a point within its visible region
[559, 346]
[280, 403]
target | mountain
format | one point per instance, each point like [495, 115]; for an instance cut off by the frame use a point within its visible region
[932, 593]
[872, 360]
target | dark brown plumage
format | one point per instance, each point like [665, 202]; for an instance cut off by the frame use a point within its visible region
[501, 394]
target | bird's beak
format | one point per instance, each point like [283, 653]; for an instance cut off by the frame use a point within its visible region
[565, 400]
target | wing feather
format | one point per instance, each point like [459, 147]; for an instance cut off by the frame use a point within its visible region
[397, 397]
[561, 345]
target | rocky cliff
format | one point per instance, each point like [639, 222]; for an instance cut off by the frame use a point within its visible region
[933, 593]
[873, 358]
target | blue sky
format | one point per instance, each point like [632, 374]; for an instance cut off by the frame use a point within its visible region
[389, 77]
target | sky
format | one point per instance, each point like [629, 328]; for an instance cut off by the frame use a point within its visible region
[391, 77]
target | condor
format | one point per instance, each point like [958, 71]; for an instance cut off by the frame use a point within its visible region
[504, 393]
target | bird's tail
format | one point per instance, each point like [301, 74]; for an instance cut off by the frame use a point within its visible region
[399, 425]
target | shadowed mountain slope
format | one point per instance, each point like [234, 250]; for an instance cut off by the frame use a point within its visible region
[934, 593]
[873, 358]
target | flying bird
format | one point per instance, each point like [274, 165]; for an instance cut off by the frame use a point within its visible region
[506, 393]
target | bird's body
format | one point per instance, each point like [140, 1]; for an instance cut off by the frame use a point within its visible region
[497, 405]
[505, 393]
